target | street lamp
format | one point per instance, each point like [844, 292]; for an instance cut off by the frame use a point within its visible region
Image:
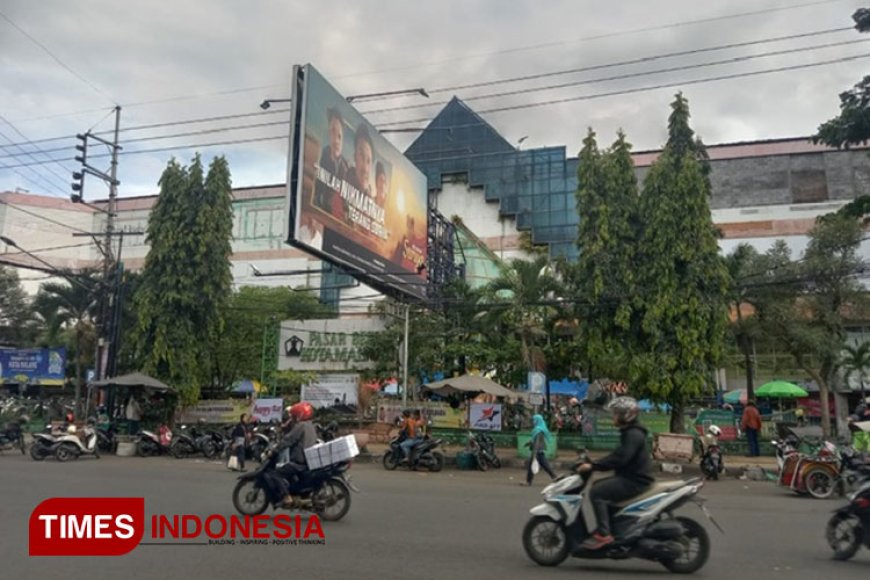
[268, 103]
[421, 91]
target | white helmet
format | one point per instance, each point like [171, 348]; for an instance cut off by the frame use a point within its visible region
[624, 409]
[71, 429]
[714, 430]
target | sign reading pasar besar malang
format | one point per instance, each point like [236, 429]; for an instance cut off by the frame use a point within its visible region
[326, 345]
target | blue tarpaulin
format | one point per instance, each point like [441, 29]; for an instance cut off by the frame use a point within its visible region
[569, 388]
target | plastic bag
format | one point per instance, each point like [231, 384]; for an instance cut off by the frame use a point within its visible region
[536, 467]
[233, 463]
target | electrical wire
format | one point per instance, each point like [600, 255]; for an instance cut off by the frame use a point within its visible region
[42, 217]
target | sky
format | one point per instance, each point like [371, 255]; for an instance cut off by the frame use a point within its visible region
[65, 65]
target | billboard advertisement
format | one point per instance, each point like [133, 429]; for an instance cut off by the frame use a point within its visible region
[485, 416]
[35, 366]
[354, 199]
[326, 345]
[332, 390]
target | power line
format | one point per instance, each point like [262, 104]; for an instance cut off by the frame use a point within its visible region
[54, 56]
[14, 128]
[598, 37]
[42, 217]
[44, 183]
[625, 76]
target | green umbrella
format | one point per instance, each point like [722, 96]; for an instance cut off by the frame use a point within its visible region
[781, 390]
[737, 397]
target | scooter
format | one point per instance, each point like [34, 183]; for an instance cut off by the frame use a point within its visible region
[70, 446]
[482, 446]
[184, 443]
[150, 444]
[644, 527]
[423, 454]
[43, 443]
[324, 491]
[849, 527]
[712, 464]
[12, 437]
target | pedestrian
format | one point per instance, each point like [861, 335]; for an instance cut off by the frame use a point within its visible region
[240, 440]
[540, 437]
[751, 424]
[134, 414]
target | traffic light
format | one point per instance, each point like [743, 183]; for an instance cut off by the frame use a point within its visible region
[79, 176]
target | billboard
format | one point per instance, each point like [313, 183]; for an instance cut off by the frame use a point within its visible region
[353, 198]
[325, 345]
[332, 390]
[485, 416]
[35, 366]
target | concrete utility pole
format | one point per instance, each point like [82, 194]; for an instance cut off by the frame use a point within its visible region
[405, 356]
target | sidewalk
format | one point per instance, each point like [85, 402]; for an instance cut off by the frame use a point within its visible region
[735, 466]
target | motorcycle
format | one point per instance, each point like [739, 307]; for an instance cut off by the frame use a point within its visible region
[106, 439]
[423, 454]
[482, 446]
[43, 444]
[150, 444]
[644, 526]
[327, 433]
[813, 475]
[261, 439]
[185, 443]
[849, 527]
[70, 446]
[213, 444]
[324, 491]
[712, 464]
[12, 438]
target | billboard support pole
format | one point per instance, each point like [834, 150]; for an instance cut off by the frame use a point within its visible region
[405, 356]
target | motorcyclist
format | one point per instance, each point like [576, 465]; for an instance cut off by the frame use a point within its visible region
[710, 438]
[632, 466]
[302, 435]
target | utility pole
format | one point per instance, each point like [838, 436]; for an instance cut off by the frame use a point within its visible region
[405, 356]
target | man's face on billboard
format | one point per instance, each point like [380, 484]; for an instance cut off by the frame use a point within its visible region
[363, 160]
[336, 137]
[381, 184]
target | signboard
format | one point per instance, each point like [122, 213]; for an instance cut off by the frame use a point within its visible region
[536, 399]
[267, 410]
[35, 366]
[216, 411]
[441, 414]
[537, 382]
[353, 198]
[325, 345]
[485, 416]
[331, 390]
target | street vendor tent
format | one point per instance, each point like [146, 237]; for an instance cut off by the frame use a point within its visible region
[469, 384]
[134, 380]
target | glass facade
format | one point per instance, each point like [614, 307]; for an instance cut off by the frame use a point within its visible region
[534, 186]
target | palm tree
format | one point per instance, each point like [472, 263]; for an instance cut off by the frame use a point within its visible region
[856, 360]
[70, 306]
[516, 302]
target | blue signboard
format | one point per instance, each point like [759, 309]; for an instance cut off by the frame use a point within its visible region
[36, 366]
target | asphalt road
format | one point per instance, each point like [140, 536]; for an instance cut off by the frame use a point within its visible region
[402, 525]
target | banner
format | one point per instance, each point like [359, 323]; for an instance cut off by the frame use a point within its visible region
[332, 390]
[217, 411]
[326, 345]
[485, 416]
[268, 410]
[355, 199]
[441, 414]
[35, 366]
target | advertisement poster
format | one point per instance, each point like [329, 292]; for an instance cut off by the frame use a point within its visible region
[218, 411]
[267, 410]
[359, 202]
[485, 416]
[326, 345]
[35, 366]
[441, 414]
[332, 390]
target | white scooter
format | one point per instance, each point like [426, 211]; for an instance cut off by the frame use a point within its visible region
[71, 446]
[644, 526]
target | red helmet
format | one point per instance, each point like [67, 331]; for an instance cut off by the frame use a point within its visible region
[302, 411]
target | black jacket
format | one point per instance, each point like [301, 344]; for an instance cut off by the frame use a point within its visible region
[631, 460]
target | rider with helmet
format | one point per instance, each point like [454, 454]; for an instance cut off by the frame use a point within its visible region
[302, 435]
[711, 437]
[631, 464]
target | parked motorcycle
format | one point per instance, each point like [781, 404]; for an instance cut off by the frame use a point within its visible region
[325, 491]
[151, 444]
[12, 437]
[849, 527]
[106, 440]
[423, 454]
[644, 527]
[328, 432]
[184, 443]
[712, 464]
[807, 474]
[261, 438]
[71, 446]
[482, 446]
[43, 443]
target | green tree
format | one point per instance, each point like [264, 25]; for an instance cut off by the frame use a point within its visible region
[607, 199]
[71, 307]
[682, 279]
[802, 303]
[852, 125]
[187, 280]
[742, 264]
[517, 302]
[856, 360]
[246, 346]
[16, 313]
